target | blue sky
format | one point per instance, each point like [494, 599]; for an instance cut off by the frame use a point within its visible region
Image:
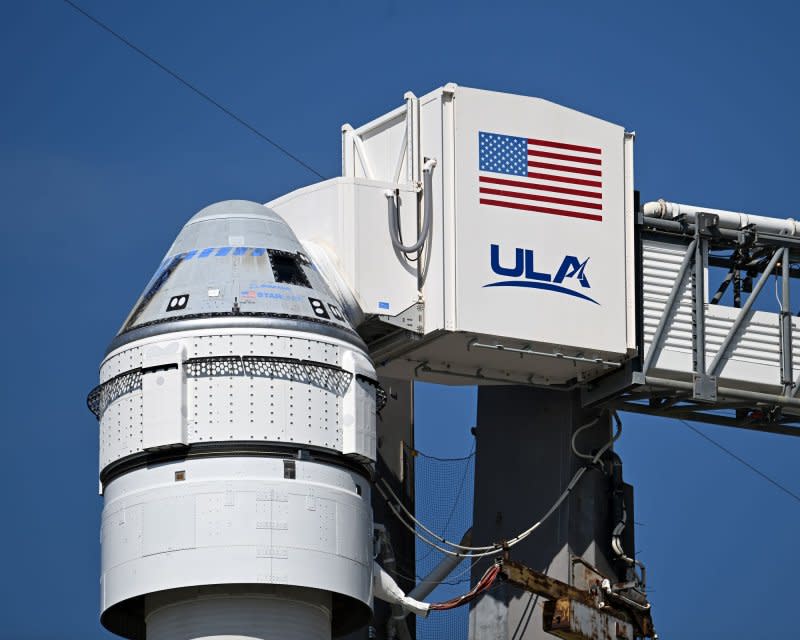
[103, 157]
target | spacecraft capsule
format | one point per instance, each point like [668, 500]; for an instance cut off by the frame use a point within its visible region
[237, 433]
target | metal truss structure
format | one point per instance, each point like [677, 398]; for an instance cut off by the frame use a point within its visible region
[749, 257]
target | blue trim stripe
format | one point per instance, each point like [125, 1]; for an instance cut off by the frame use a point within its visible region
[220, 252]
[547, 286]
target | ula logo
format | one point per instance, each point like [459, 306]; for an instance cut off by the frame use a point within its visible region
[523, 274]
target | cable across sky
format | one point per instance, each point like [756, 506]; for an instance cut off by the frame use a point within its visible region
[195, 89]
[742, 461]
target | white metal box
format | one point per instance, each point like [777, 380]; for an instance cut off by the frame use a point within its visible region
[528, 270]
[345, 221]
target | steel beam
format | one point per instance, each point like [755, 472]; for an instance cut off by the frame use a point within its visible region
[705, 384]
[727, 392]
[787, 374]
[571, 620]
[576, 614]
[710, 418]
[731, 236]
[744, 314]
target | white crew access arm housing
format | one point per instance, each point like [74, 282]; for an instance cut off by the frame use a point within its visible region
[529, 250]
[536, 267]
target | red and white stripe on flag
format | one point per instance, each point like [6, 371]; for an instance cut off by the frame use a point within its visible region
[541, 176]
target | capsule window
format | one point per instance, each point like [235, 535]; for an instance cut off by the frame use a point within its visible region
[287, 268]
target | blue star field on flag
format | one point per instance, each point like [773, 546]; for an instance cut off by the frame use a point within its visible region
[503, 154]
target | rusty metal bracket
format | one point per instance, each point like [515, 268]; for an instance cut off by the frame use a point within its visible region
[572, 620]
[577, 614]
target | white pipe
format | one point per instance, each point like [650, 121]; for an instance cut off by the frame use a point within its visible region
[440, 571]
[361, 152]
[427, 217]
[386, 589]
[380, 121]
[401, 157]
[411, 136]
[727, 219]
[412, 118]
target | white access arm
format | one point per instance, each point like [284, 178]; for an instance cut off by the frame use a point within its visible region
[385, 588]
[727, 219]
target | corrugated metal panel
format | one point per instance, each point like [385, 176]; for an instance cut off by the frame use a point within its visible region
[754, 361]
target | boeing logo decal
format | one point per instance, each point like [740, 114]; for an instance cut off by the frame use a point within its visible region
[523, 274]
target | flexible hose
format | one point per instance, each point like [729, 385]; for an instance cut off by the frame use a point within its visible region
[427, 217]
[588, 456]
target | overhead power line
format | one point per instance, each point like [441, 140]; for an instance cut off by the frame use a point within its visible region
[772, 481]
[197, 90]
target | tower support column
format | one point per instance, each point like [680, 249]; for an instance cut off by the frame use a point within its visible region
[524, 461]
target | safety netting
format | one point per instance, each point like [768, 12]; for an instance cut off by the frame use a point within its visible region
[444, 489]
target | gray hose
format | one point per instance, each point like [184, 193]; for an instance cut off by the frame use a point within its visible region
[394, 229]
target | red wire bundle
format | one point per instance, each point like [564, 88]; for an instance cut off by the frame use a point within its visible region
[486, 581]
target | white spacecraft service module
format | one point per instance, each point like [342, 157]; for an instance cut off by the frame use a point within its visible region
[236, 356]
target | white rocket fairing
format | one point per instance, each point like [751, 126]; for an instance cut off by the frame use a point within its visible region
[237, 430]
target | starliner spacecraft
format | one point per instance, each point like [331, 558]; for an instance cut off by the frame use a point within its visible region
[237, 426]
[472, 238]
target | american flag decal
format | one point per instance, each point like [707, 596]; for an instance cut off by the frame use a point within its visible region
[540, 176]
